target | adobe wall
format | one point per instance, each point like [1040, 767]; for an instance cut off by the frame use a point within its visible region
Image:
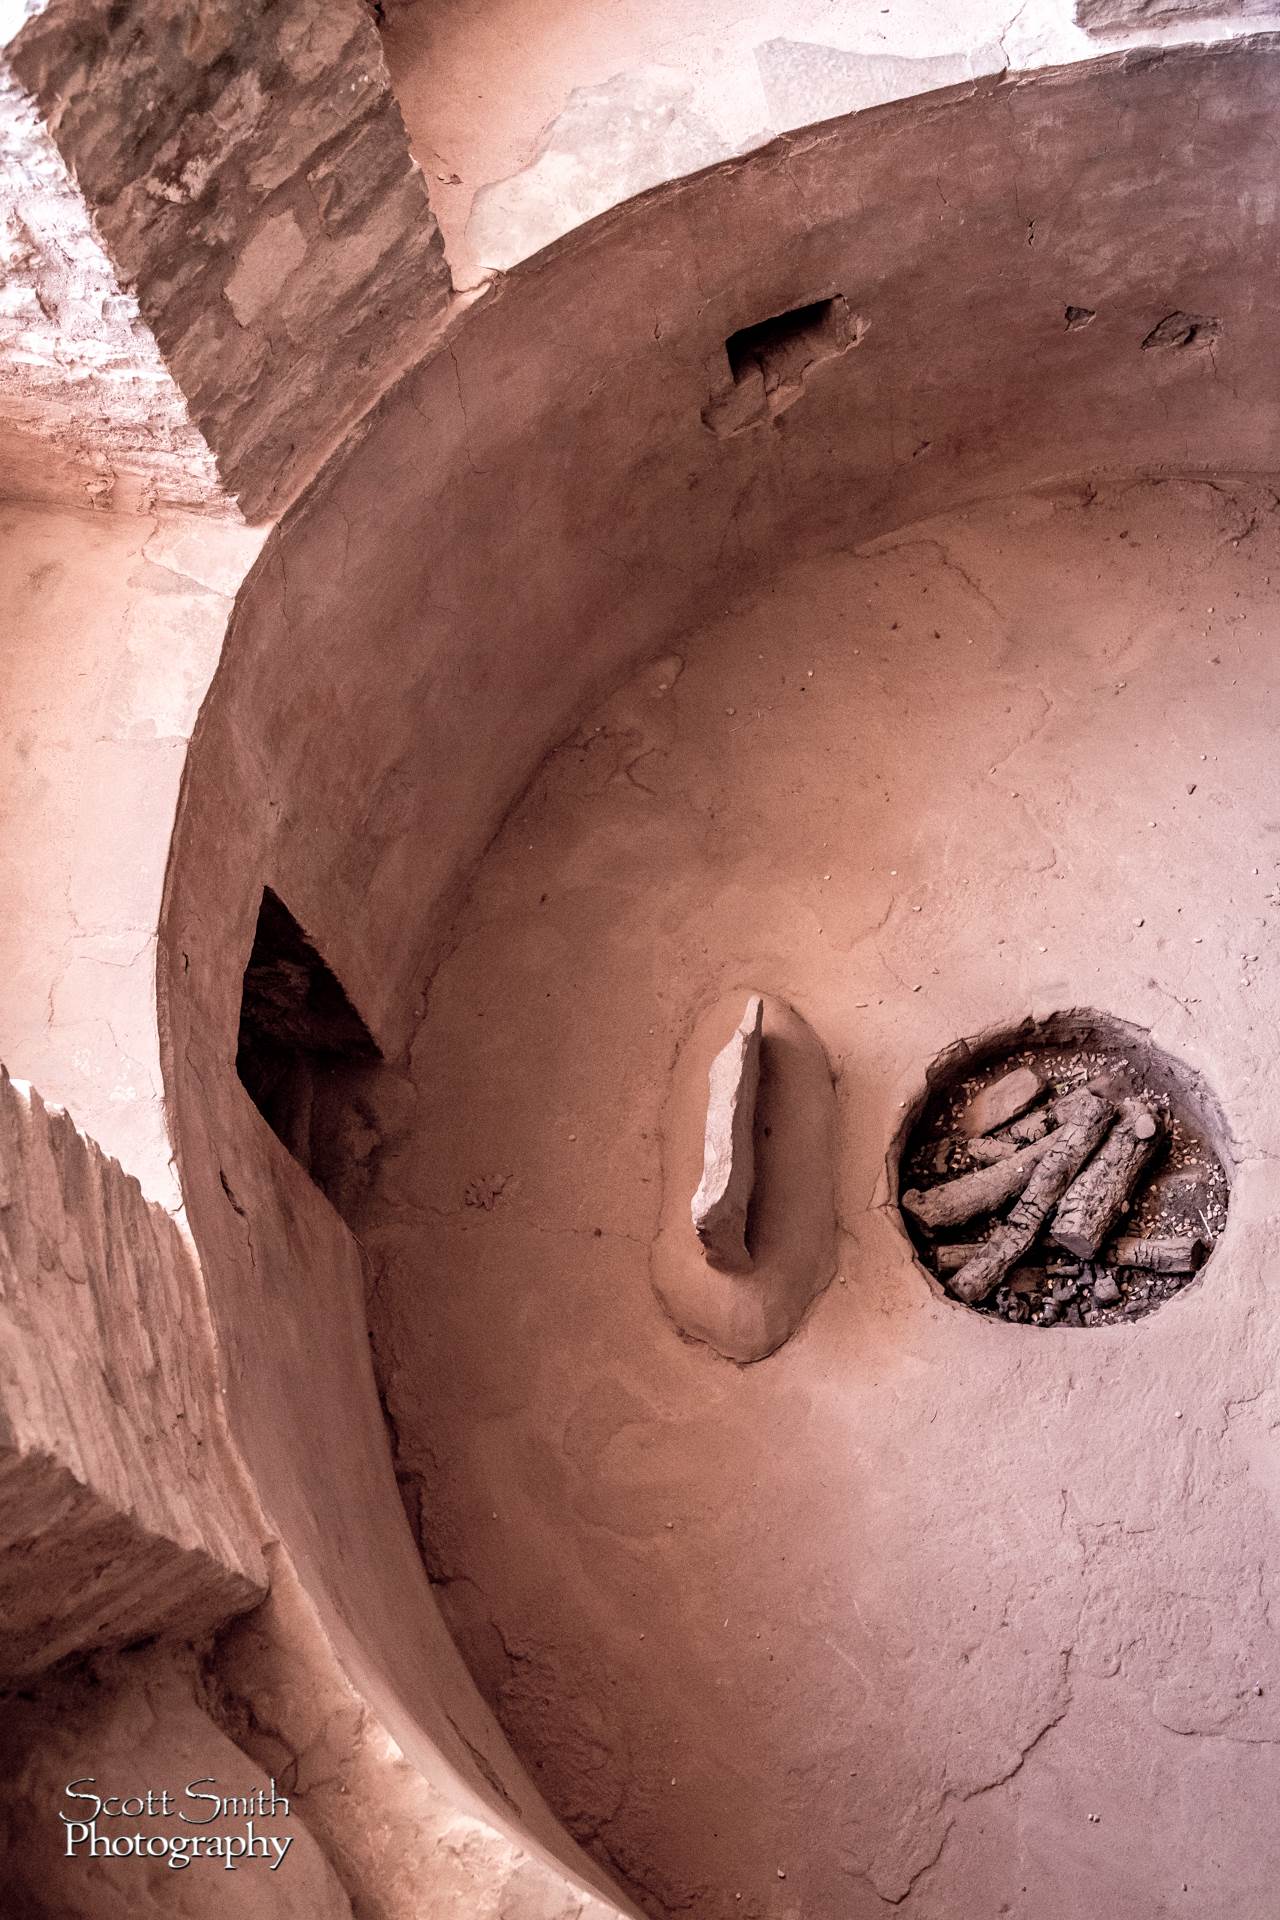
[564, 487]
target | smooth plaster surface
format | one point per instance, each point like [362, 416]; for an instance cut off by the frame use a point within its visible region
[540, 505]
[925, 1613]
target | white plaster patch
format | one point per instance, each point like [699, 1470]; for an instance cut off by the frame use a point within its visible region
[611, 141]
[803, 83]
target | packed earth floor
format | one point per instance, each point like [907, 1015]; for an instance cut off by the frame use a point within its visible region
[928, 1613]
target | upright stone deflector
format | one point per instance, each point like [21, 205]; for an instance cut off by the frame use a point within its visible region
[759, 1080]
[721, 1204]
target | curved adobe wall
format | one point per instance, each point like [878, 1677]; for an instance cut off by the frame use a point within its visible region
[539, 504]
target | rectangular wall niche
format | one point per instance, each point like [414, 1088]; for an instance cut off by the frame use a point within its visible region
[303, 1047]
[783, 347]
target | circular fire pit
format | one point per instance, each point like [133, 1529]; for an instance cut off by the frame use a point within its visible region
[1067, 1173]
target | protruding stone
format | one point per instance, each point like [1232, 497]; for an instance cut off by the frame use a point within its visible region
[749, 1312]
[1002, 1101]
[723, 1198]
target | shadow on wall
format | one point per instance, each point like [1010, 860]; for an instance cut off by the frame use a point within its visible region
[304, 1053]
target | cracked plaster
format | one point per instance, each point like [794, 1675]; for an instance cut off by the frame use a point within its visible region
[583, 109]
[115, 623]
[839, 1628]
[112, 1049]
[459, 597]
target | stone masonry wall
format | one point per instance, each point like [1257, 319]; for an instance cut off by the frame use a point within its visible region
[123, 1511]
[89, 413]
[1122, 16]
[248, 168]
